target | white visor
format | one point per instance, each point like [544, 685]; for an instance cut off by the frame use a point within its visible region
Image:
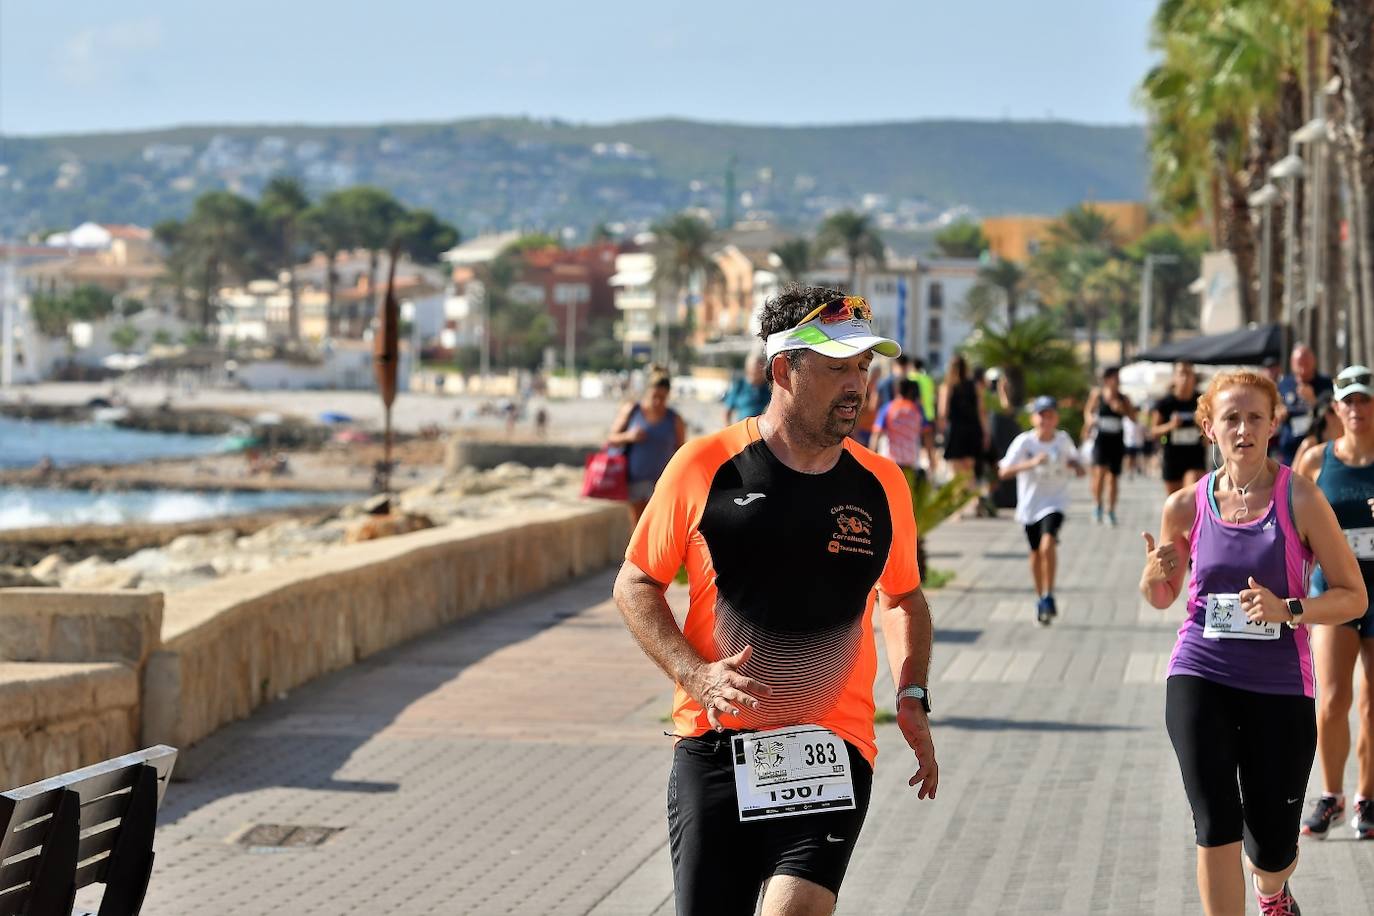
[836, 339]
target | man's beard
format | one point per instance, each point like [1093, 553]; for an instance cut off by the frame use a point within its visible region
[832, 429]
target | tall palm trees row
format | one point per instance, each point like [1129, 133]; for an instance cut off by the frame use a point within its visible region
[228, 237]
[1235, 80]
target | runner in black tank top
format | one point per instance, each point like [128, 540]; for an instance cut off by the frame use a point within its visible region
[1344, 471]
[1107, 408]
[1184, 450]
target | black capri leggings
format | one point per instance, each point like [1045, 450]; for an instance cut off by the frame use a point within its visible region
[1245, 759]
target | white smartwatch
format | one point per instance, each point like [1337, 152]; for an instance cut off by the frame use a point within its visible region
[916, 693]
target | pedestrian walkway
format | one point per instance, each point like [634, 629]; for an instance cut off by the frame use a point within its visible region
[516, 763]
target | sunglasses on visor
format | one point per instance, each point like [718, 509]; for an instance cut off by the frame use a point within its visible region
[840, 310]
[1364, 378]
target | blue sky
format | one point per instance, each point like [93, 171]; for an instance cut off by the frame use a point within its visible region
[79, 66]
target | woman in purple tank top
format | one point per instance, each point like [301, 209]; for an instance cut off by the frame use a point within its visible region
[1238, 704]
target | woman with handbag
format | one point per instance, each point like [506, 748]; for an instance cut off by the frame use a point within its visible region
[650, 431]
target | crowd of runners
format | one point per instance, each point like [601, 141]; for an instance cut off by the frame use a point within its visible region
[795, 524]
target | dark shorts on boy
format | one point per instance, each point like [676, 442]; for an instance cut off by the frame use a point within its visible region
[1050, 524]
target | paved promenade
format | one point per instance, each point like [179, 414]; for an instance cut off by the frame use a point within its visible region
[515, 763]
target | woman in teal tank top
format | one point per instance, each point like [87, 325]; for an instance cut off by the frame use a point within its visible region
[1344, 471]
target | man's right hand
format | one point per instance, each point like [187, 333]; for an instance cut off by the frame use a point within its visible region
[720, 688]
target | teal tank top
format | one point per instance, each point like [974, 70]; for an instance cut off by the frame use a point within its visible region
[1348, 490]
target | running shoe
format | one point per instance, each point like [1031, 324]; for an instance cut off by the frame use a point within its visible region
[1111, 518]
[1363, 821]
[1327, 811]
[1043, 614]
[1097, 514]
[1049, 606]
[1281, 904]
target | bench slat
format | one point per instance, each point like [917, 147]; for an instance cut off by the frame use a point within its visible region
[97, 843]
[92, 872]
[17, 873]
[109, 808]
[101, 778]
[15, 840]
[11, 903]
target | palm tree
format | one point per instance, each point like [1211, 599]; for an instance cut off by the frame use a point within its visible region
[1171, 278]
[1004, 281]
[962, 239]
[854, 233]
[1109, 290]
[220, 237]
[1352, 57]
[372, 215]
[794, 258]
[282, 209]
[1034, 355]
[682, 251]
[328, 228]
[1221, 103]
[1081, 241]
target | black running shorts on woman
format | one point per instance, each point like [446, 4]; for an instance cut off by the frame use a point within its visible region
[719, 863]
[786, 563]
[1245, 757]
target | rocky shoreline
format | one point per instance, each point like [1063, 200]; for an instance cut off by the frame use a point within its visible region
[194, 553]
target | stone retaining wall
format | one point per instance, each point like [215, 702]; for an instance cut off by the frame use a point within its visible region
[89, 675]
[230, 646]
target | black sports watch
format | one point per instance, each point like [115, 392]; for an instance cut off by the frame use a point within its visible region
[915, 692]
[1295, 612]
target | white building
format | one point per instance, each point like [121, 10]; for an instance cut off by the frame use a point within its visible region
[920, 304]
[638, 300]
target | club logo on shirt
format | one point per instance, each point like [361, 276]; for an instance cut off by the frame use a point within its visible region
[746, 500]
[853, 531]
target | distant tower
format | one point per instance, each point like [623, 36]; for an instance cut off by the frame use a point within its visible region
[729, 221]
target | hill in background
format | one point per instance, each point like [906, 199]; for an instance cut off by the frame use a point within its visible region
[551, 175]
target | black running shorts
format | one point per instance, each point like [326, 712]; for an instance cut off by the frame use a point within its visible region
[719, 864]
[1108, 452]
[1050, 525]
[1244, 757]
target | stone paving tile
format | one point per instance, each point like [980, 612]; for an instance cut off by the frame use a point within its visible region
[515, 763]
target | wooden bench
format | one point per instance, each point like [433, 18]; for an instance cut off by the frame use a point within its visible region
[90, 825]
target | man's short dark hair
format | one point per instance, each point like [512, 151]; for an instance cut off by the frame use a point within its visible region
[909, 388]
[918, 364]
[902, 361]
[785, 311]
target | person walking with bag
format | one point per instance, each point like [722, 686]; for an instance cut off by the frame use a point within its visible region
[651, 432]
[1239, 696]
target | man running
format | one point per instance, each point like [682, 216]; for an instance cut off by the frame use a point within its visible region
[786, 527]
[1300, 390]
[1041, 460]
[1344, 470]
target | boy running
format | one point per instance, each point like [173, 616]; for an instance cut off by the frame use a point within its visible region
[1041, 460]
[899, 422]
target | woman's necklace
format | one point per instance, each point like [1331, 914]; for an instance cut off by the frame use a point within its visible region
[1244, 491]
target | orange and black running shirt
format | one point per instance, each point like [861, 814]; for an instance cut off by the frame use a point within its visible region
[787, 563]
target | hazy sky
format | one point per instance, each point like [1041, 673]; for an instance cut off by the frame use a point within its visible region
[79, 65]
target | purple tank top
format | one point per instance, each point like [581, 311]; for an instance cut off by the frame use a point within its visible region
[1224, 555]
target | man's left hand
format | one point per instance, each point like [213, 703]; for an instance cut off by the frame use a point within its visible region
[915, 726]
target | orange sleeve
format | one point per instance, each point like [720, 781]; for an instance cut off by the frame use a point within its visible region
[900, 576]
[658, 545]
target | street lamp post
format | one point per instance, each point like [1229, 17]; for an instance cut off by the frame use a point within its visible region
[1147, 295]
[1264, 198]
[1288, 170]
